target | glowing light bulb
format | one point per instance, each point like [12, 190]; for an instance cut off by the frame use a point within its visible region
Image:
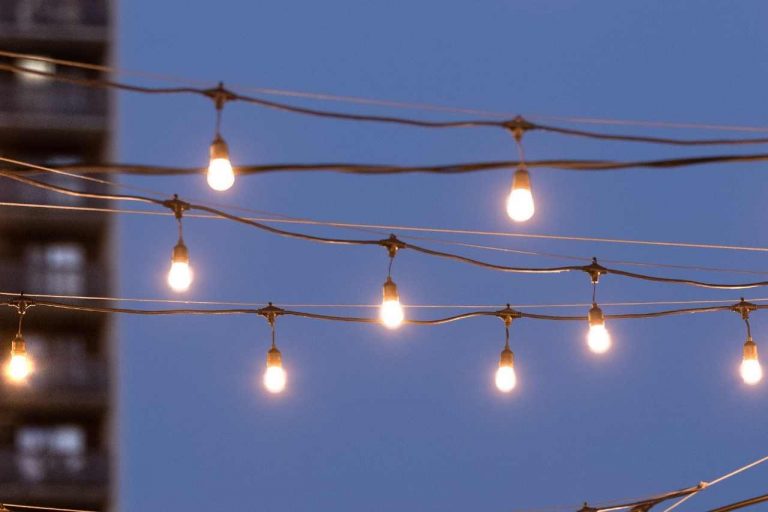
[751, 371]
[506, 379]
[221, 176]
[520, 205]
[391, 312]
[19, 366]
[274, 376]
[598, 337]
[180, 276]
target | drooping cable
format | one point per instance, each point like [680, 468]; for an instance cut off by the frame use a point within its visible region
[395, 104]
[175, 203]
[420, 123]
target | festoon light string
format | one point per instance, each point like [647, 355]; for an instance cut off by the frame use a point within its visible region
[520, 205]
[20, 366]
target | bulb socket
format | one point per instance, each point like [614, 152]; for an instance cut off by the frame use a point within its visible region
[180, 253]
[595, 316]
[18, 346]
[219, 149]
[507, 358]
[750, 350]
[521, 180]
[274, 358]
[389, 292]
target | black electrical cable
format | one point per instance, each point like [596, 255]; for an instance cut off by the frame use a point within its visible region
[644, 504]
[502, 313]
[176, 204]
[222, 95]
[384, 169]
[742, 504]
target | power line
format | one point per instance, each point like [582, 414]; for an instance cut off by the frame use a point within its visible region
[396, 104]
[221, 95]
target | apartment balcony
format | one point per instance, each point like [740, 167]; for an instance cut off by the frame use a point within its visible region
[77, 479]
[72, 21]
[62, 111]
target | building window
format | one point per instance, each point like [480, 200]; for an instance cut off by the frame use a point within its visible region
[56, 268]
[63, 360]
[50, 452]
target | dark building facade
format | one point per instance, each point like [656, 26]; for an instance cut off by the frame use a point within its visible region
[56, 430]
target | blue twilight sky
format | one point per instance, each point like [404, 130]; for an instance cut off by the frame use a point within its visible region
[410, 420]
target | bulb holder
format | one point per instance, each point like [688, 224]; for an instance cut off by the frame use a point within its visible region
[180, 253]
[389, 291]
[521, 180]
[507, 358]
[274, 358]
[750, 350]
[595, 316]
[219, 149]
[18, 346]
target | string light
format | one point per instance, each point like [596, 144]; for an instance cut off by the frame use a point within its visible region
[391, 312]
[750, 369]
[19, 365]
[221, 175]
[520, 206]
[506, 378]
[274, 375]
[180, 275]
[598, 337]
[274, 378]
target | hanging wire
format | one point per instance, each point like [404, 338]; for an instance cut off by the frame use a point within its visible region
[445, 169]
[173, 204]
[707, 485]
[265, 311]
[518, 121]
[372, 228]
[392, 103]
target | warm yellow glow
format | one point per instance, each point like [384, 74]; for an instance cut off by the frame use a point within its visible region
[221, 176]
[598, 339]
[751, 371]
[18, 368]
[391, 314]
[520, 206]
[520, 201]
[180, 276]
[274, 379]
[506, 380]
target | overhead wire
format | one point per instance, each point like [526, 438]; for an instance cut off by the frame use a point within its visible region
[391, 103]
[516, 123]
[384, 228]
[258, 304]
[447, 169]
[501, 313]
[43, 508]
[720, 479]
[176, 205]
